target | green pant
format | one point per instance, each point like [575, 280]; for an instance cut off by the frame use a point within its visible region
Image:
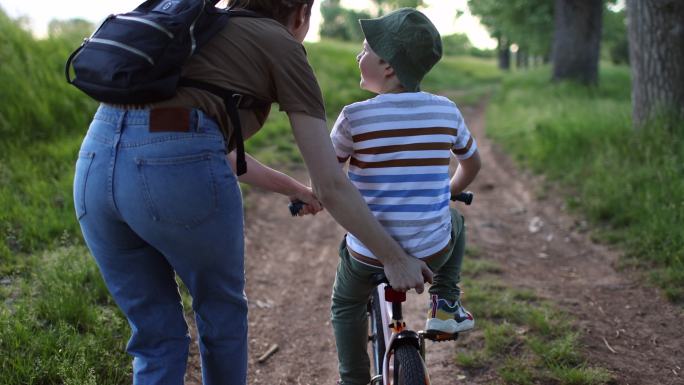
[353, 288]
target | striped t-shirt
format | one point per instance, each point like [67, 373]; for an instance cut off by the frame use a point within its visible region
[400, 146]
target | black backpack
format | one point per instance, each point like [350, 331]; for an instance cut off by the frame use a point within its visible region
[137, 57]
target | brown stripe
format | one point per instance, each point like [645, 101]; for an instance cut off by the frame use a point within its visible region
[406, 132]
[375, 262]
[404, 147]
[464, 150]
[342, 160]
[401, 163]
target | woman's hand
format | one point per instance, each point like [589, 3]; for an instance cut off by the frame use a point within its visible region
[311, 204]
[401, 273]
[264, 177]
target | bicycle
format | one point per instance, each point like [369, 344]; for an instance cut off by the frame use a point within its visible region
[398, 352]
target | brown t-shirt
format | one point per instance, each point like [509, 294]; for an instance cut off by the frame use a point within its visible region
[255, 56]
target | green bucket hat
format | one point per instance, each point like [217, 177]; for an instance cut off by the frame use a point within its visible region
[408, 41]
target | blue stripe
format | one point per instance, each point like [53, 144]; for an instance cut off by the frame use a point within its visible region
[404, 193]
[409, 208]
[398, 178]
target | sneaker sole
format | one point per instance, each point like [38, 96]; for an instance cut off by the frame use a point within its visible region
[449, 326]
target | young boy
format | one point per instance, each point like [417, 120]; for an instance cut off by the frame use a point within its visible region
[399, 145]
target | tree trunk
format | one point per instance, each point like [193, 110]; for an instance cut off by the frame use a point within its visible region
[504, 51]
[523, 59]
[577, 40]
[656, 54]
[519, 58]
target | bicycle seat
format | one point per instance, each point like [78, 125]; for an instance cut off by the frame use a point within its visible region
[379, 278]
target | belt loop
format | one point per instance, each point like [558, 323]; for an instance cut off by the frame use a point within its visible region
[121, 121]
[197, 119]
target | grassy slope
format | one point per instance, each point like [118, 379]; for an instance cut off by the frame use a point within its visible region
[630, 184]
[39, 113]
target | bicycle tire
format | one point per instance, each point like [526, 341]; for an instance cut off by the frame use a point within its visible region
[376, 319]
[409, 368]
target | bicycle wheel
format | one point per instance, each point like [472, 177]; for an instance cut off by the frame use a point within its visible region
[409, 368]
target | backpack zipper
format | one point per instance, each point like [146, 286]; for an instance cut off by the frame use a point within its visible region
[87, 39]
[124, 47]
[148, 22]
[193, 42]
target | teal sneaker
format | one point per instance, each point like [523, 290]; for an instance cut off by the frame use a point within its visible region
[448, 318]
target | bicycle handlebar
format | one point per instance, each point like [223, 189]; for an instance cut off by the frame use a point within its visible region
[295, 206]
[466, 197]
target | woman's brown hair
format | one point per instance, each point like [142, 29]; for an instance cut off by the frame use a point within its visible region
[280, 10]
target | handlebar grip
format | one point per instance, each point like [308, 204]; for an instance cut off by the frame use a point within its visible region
[295, 207]
[465, 197]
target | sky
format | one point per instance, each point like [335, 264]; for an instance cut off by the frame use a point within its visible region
[40, 12]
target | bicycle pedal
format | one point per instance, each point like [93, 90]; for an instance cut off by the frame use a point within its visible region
[439, 336]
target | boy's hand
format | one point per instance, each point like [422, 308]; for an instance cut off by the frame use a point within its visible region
[311, 204]
[407, 273]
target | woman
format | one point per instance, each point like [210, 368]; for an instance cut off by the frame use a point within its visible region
[156, 195]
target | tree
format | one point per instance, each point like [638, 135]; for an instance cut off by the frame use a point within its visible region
[334, 20]
[526, 23]
[503, 52]
[456, 44]
[656, 51]
[71, 30]
[341, 23]
[577, 40]
[385, 6]
[614, 42]
[490, 16]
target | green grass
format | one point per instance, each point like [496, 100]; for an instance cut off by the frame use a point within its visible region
[629, 183]
[522, 338]
[35, 200]
[60, 326]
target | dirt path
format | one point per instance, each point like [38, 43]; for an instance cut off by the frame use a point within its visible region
[543, 248]
[291, 265]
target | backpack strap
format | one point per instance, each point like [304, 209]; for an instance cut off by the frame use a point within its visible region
[232, 100]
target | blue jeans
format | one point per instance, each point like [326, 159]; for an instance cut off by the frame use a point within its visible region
[155, 204]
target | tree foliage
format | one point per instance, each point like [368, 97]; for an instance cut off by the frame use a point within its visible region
[615, 45]
[342, 23]
[71, 30]
[456, 44]
[385, 6]
[526, 23]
